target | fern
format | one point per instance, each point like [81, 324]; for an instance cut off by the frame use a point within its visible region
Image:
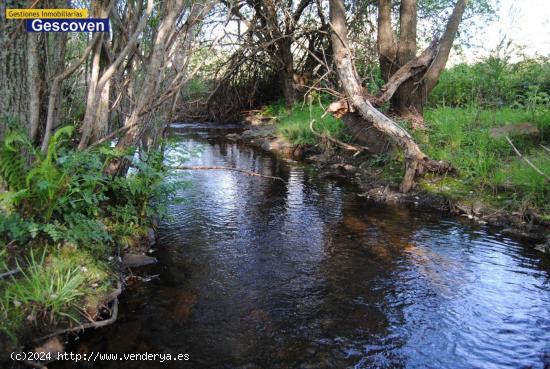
[13, 164]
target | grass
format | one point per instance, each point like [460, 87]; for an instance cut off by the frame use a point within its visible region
[52, 289]
[488, 169]
[488, 165]
[294, 125]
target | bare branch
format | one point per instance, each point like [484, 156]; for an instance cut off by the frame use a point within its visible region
[254, 174]
[518, 153]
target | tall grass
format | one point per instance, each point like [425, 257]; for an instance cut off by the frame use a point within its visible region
[47, 291]
[461, 136]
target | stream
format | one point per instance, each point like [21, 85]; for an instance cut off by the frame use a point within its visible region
[258, 273]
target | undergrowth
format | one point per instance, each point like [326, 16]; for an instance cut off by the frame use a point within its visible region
[61, 219]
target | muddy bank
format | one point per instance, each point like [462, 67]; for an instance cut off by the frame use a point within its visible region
[341, 165]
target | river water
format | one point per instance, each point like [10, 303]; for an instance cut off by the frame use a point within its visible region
[258, 273]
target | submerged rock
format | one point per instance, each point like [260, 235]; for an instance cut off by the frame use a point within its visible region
[233, 136]
[137, 260]
[51, 347]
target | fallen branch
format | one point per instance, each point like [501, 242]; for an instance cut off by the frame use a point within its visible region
[357, 149]
[254, 174]
[527, 160]
[11, 272]
[545, 148]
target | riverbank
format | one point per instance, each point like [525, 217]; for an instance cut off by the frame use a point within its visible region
[491, 184]
[68, 234]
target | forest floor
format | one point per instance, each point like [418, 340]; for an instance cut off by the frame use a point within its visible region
[491, 184]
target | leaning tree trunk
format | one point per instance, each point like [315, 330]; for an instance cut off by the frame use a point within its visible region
[416, 161]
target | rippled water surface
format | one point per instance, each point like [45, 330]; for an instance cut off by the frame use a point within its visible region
[257, 273]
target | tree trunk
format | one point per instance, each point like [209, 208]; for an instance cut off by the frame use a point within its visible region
[409, 96]
[415, 160]
[92, 108]
[287, 72]
[14, 97]
[100, 9]
[148, 90]
[436, 68]
[34, 80]
[387, 47]
[407, 102]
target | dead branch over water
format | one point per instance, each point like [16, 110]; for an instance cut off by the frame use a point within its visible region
[244, 171]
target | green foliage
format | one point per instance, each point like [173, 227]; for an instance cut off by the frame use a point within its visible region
[46, 291]
[62, 201]
[461, 136]
[13, 165]
[60, 196]
[294, 125]
[515, 174]
[66, 196]
[495, 82]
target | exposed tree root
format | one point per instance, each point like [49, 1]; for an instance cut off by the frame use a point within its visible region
[114, 315]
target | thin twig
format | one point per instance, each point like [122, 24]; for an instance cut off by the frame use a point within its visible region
[545, 148]
[527, 160]
[254, 174]
[11, 272]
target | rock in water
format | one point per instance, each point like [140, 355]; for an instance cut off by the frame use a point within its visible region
[151, 237]
[53, 346]
[137, 260]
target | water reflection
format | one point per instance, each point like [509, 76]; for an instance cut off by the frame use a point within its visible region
[257, 273]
